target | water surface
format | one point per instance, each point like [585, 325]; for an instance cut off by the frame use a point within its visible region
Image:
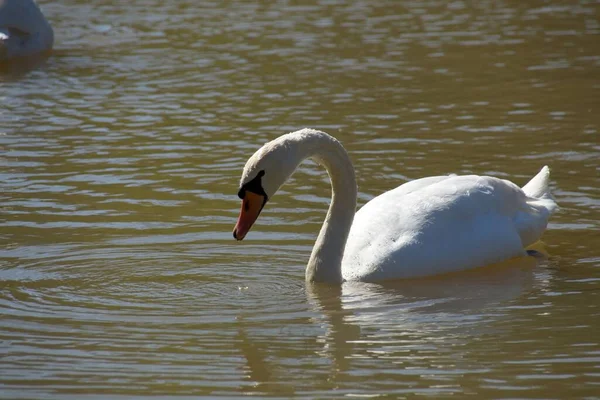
[119, 165]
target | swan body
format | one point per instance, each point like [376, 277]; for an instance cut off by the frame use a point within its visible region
[24, 31]
[424, 227]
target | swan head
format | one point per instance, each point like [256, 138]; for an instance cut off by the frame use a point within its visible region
[263, 175]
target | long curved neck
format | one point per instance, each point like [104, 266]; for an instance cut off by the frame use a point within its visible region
[325, 264]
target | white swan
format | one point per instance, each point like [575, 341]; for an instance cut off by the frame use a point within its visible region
[23, 30]
[428, 226]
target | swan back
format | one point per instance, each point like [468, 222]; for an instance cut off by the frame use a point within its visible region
[444, 224]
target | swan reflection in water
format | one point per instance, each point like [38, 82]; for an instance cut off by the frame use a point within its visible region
[397, 323]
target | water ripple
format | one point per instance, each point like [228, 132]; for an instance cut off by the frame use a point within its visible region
[120, 157]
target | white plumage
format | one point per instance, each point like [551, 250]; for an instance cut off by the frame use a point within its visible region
[424, 227]
[443, 224]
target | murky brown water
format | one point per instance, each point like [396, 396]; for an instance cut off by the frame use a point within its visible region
[120, 161]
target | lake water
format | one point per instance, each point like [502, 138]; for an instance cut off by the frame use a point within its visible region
[119, 167]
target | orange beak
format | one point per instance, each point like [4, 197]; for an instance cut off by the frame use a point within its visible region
[252, 205]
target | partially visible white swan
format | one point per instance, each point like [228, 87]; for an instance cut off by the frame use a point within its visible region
[24, 31]
[424, 227]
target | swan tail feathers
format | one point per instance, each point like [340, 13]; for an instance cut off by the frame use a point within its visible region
[538, 189]
[531, 221]
[538, 186]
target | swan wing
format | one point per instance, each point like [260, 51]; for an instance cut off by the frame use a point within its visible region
[441, 224]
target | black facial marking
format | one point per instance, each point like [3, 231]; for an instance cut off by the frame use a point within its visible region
[254, 186]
